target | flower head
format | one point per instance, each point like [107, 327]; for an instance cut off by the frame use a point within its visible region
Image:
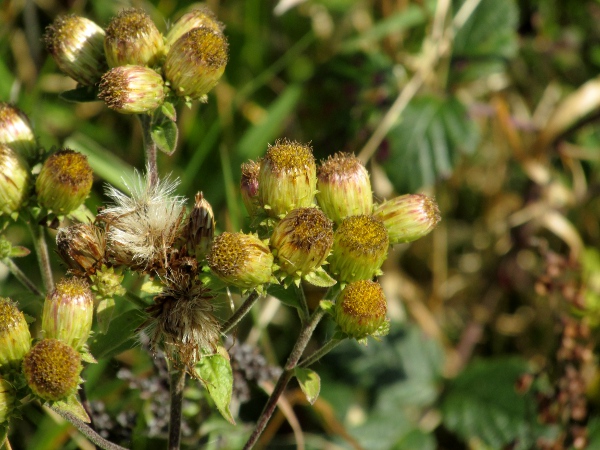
[14, 180]
[200, 227]
[132, 89]
[142, 227]
[15, 339]
[82, 247]
[200, 17]
[249, 186]
[361, 308]
[16, 132]
[77, 46]
[8, 400]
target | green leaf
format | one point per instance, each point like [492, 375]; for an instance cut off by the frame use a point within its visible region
[319, 278]
[120, 335]
[217, 376]
[19, 251]
[169, 111]
[80, 94]
[286, 296]
[164, 135]
[310, 383]
[482, 402]
[104, 313]
[427, 143]
[73, 405]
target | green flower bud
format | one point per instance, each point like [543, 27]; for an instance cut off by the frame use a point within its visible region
[249, 186]
[15, 339]
[16, 131]
[107, 282]
[64, 182]
[344, 188]
[8, 400]
[302, 240]
[287, 178]
[196, 62]
[200, 228]
[52, 369]
[201, 17]
[132, 38]
[82, 247]
[68, 312]
[360, 246]
[408, 217]
[241, 260]
[361, 308]
[132, 89]
[14, 180]
[77, 46]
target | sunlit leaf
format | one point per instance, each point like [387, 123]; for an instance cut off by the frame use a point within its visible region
[310, 383]
[217, 376]
[165, 135]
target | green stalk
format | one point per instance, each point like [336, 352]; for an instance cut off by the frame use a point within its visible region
[41, 250]
[177, 386]
[149, 148]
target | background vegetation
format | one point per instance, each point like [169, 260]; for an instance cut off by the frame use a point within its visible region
[489, 105]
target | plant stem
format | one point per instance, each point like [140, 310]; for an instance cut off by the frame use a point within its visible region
[87, 431]
[20, 275]
[286, 376]
[149, 147]
[303, 304]
[240, 313]
[41, 250]
[177, 386]
[318, 354]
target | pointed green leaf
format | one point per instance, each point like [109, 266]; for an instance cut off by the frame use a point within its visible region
[169, 111]
[310, 383]
[319, 278]
[165, 135]
[121, 335]
[73, 405]
[104, 313]
[80, 95]
[284, 295]
[19, 251]
[216, 374]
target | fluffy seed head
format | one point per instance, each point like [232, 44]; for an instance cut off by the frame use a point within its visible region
[287, 178]
[68, 312]
[64, 182]
[82, 247]
[344, 188]
[360, 246]
[302, 240]
[77, 46]
[132, 89]
[249, 186]
[15, 339]
[195, 62]
[241, 260]
[361, 308]
[52, 369]
[201, 17]
[132, 38]
[16, 131]
[14, 180]
[408, 217]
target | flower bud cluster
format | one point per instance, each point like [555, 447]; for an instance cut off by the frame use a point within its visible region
[134, 66]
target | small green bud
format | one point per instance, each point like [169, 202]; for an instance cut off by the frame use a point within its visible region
[14, 180]
[196, 62]
[249, 187]
[200, 228]
[52, 369]
[287, 178]
[8, 400]
[132, 38]
[68, 312]
[344, 188]
[107, 282]
[132, 89]
[77, 46]
[302, 240]
[15, 339]
[242, 260]
[64, 182]
[408, 217]
[361, 308]
[82, 247]
[16, 131]
[360, 246]
[201, 17]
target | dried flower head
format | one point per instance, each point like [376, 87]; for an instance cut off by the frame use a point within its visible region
[15, 339]
[200, 227]
[287, 177]
[344, 188]
[17, 133]
[77, 46]
[132, 89]
[14, 180]
[132, 38]
[141, 228]
[82, 247]
[182, 322]
[249, 186]
[200, 17]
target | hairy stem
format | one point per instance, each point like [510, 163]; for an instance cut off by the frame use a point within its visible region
[241, 312]
[41, 250]
[177, 386]
[20, 275]
[288, 371]
[318, 354]
[150, 148]
[87, 431]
